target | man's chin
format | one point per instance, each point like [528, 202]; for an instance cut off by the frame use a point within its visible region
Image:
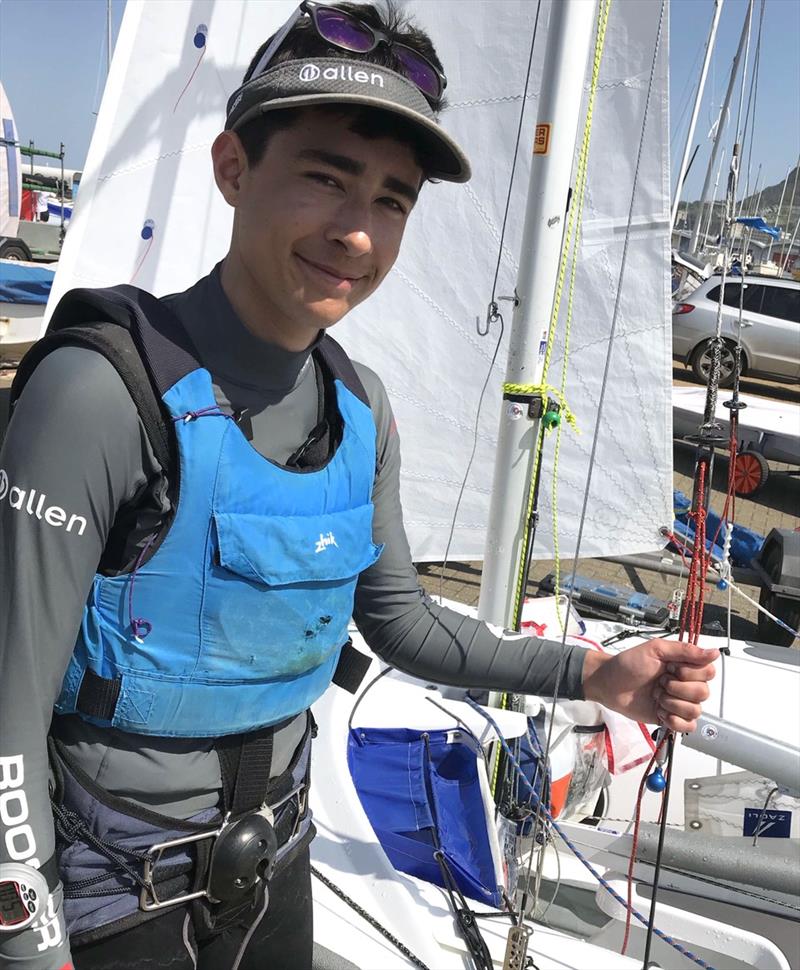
[325, 314]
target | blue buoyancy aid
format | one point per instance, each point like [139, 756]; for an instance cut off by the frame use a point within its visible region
[248, 593]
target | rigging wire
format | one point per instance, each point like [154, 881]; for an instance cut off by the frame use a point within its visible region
[718, 566]
[605, 377]
[738, 129]
[774, 791]
[493, 314]
[573, 847]
[752, 97]
[570, 245]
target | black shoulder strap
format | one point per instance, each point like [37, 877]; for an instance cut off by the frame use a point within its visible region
[342, 367]
[138, 335]
[117, 346]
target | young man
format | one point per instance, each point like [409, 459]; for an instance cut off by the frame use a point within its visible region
[186, 534]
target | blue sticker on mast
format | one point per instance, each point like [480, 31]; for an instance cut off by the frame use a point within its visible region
[772, 824]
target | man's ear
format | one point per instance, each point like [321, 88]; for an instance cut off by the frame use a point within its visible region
[230, 164]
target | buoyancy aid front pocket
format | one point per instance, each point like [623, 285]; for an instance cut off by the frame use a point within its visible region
[279, 594]
[291, 550]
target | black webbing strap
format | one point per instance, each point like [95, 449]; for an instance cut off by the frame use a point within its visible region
[98, 695]
[323, 438]
[116, 344]
[49, 869]
[351, 669]
[245, 762]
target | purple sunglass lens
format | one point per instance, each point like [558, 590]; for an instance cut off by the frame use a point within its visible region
[419, 71]
[344, 31]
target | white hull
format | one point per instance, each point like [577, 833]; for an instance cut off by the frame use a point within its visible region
[21, 325]
[765, 425]
[721, 927]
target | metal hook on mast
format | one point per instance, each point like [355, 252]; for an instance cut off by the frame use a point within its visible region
[493, 314]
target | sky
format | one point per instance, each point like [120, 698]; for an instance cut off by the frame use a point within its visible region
[777, 115]
[53, 62]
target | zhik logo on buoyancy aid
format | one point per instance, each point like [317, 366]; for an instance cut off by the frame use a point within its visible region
[326, 540]
[35, 504]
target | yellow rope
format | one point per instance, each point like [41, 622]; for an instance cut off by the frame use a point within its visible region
[544, 389]
[575, 216]
[580, 187]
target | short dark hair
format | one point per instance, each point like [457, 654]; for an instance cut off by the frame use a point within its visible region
[304, 42]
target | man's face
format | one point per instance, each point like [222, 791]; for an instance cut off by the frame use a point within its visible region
[318, 223]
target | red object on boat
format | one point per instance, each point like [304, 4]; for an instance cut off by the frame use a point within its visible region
[27, 209]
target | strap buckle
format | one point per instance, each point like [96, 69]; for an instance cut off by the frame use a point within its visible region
[148, 897]
[242, 854]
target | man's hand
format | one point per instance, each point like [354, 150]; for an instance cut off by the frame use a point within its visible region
[661, 681]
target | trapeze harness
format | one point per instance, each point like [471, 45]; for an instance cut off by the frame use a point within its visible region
[231, 622]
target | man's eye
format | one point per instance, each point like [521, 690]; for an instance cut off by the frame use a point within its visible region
[322, 179]
[393, 204]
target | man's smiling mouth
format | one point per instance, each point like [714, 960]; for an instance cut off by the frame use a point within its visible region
[328, 274]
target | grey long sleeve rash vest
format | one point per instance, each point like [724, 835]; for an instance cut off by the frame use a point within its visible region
[76, 439]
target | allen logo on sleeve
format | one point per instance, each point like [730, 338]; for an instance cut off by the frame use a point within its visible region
[35, 504]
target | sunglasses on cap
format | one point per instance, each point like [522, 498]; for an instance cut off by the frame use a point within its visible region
[345, 31]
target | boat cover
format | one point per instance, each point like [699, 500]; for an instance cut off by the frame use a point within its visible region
[21, 283]
[745, 543]
[421, 791]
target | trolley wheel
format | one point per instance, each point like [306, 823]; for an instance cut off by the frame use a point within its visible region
[750, 473]
[785, 609]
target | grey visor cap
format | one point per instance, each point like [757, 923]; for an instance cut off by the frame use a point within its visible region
[334, 80]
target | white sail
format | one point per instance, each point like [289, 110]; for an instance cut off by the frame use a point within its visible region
[149, 212]
[10, 170]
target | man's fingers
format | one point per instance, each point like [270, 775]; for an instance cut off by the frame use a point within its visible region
[673, 705]
[696, 692]
[686, 672]
[677, 724]
[679, 652]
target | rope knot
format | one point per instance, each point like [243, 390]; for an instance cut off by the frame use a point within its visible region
[141, 628]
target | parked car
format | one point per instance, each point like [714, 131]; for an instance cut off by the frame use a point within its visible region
[770, 331]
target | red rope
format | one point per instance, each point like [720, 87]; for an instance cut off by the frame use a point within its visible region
[637, 819]
[692, 615]
[692, 618]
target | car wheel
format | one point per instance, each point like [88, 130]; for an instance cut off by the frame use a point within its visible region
[12, 251]
[701, 363]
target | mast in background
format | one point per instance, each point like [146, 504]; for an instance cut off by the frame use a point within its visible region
[720, 126]
[791, 202]
[569, 40]
[696, 111]
[714, 197]
[108, 37]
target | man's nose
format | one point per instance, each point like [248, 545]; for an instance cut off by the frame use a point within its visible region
[351, 228]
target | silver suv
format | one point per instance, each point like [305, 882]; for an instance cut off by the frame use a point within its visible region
[770, 327]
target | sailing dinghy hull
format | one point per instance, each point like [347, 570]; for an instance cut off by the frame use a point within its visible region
[349, 854]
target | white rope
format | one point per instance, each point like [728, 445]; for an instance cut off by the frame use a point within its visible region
[761, 609]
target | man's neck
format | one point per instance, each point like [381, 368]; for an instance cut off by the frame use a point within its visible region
[257, 314]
